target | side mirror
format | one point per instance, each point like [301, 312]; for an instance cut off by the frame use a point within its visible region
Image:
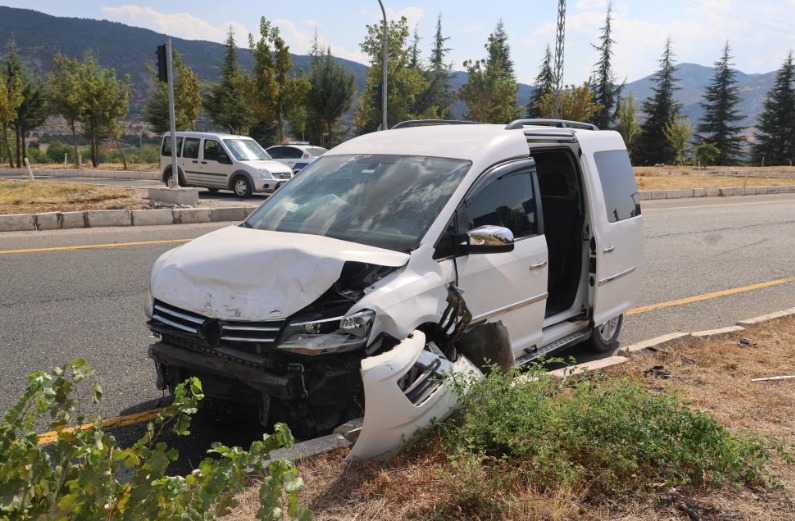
[489, 239]
[224, 159]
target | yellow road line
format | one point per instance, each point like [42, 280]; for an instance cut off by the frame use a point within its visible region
[93, 246]
[708, 296]
[119, 421]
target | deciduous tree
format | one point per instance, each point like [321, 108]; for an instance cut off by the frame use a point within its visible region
[187, 98]
[405, 83]
[627, 122]
[64, 93]
[576, 103]
[678, 132]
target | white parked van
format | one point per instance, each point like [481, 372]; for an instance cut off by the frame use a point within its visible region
[398, 257]
[222, 162]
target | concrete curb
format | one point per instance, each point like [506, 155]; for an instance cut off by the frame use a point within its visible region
[345, 434]
[104, 218]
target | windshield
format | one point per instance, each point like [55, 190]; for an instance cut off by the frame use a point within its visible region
[378, 200]
[246, 150]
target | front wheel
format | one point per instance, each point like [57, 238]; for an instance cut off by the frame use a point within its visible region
[604, 337]
[241, 186]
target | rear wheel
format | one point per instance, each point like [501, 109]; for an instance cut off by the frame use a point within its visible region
[167, 179]
[241, 186]
[604, 337]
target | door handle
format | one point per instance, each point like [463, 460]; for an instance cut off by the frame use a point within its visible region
[195, 161]
[538, 266]
[204, 162]
[609, 249]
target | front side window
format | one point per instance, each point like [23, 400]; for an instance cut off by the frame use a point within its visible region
[379, 200]
[212, 150]
[246, 150]
[191, 148]
[508, 202]
[622, 200]
[293, 153]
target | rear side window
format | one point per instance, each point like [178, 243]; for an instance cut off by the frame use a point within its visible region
[622, 200]
[292, 153]
[166, 149]
[276, 152]
[191, 148]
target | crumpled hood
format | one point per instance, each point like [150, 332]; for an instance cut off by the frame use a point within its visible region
[245, 274]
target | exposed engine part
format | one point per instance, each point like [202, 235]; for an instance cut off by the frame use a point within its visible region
[454, 321]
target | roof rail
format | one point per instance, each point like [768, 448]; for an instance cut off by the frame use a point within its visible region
[560, 123]
[427, 122]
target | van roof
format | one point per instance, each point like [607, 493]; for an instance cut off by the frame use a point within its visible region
[220, 135]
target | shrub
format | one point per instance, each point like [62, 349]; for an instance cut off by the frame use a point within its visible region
[597, 435]
[77, 476]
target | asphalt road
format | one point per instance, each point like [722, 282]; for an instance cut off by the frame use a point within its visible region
[58, 304]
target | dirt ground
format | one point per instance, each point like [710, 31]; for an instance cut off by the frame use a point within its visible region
[714, 376]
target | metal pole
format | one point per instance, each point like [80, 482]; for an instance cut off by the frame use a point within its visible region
[383, 82]
[174, 181]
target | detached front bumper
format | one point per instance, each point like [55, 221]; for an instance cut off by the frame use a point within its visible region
[405, 389]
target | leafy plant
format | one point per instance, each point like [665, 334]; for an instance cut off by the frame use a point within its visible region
[79, 475]
[592, 434]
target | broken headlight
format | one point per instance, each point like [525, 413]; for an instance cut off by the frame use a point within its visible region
[308, 336]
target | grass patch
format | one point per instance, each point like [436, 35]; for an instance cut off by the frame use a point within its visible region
[41, 196]
[598, 437]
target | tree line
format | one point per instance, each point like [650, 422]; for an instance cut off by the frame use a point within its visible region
[273, 100]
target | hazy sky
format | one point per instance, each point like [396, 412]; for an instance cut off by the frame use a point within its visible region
[760, 33]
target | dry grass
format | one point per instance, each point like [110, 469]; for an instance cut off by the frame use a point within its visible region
[676, 178]
[713, 375]
[18, 197]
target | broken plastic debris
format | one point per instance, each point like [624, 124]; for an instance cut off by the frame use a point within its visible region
[657, 371]
[746, 342]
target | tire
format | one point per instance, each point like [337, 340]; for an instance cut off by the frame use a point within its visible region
[213, 190]
[604, 338]
[241, 186]
[167, 179]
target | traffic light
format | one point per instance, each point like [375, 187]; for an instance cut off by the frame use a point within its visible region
[376, 97]
[162, 64]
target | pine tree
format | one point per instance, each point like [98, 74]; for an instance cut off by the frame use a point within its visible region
[330, 93]
[490, 91]
[660, 108]
[435, 101]
[226, 103]
[544, 85]
[499, 51]
[603, 82]
[720, 113]
[775, 136]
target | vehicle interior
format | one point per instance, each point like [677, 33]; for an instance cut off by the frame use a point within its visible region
[563, 217]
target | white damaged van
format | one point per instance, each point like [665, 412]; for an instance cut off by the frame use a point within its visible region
[399, 257]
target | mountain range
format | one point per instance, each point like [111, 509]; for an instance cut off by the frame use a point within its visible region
[39, 37]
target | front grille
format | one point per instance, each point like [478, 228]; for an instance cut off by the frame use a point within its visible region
[282, 175]
[195, 326]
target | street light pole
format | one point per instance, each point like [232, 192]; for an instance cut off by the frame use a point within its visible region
[383, 82]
